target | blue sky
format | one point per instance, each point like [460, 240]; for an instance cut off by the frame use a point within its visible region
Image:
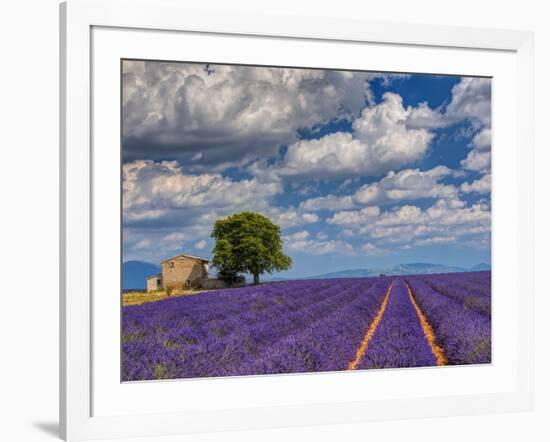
[360, 169]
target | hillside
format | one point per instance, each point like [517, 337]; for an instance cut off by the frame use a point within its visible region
[135, 273]
[417, 268]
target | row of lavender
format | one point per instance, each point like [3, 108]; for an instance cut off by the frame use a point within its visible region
[472, 290]
[302, 326]
[295, 326]
[458, 307]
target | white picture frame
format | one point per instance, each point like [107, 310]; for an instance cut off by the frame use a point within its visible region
[79, 377]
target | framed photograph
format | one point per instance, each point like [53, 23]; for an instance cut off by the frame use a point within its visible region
[282, 221]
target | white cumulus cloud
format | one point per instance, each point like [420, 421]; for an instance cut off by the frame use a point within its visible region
[354, 217]
[155, 190]
[408, 184]
[482, 185]
[380, 141]
[329, 202]
[302, 242]
[287, 217]
[229, 113]
[371, 249]
[446, 221]
[199, 245]
[471, 99]
[479, 158]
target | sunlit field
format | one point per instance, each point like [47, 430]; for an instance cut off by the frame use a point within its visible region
[141, 297]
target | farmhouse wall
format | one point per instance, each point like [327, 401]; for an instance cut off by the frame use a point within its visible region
[154, 283]
[215, 283]
[183, 272]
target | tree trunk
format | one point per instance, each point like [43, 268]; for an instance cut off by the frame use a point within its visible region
[256, 278]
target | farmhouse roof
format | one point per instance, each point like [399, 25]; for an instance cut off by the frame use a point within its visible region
[184, 255]
[154, 276]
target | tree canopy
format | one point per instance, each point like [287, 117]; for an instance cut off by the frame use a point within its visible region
[248, 242]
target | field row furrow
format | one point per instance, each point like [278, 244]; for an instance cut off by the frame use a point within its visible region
[437, 349]
[362, 349]
[471, 297]
[464, 334]
[399, 340]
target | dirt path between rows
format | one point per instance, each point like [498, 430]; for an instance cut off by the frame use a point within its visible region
[437, 350]
[370, 332]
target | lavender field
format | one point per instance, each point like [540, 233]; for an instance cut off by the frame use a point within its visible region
[311, 326]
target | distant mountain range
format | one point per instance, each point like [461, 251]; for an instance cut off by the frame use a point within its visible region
[480, 267]
[135, 273]
[415, 268]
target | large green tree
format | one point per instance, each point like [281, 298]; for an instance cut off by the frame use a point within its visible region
[248, 242]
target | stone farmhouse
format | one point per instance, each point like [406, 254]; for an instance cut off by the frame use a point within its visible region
[183, 272]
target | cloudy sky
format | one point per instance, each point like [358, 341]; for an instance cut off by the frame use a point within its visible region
[359, 169]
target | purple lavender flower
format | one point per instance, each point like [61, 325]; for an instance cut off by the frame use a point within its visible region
[302, 326]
